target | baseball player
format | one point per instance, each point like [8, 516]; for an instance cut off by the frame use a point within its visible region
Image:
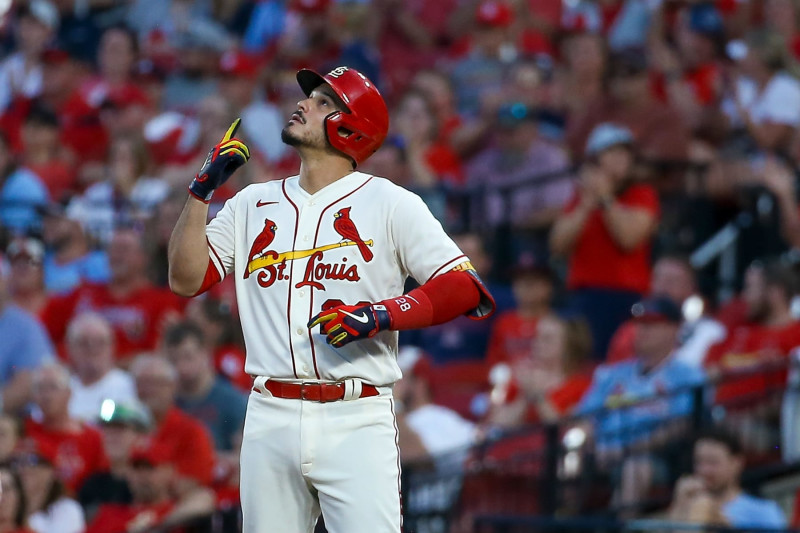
[320, 261]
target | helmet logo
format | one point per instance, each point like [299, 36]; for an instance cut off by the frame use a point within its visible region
[338, 71]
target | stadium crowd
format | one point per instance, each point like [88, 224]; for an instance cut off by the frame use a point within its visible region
[577, 150]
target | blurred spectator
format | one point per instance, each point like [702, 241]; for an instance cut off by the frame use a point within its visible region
[605, 231]
[763, 100]
[134, 307]
[266, 23]
[126, 197]
[782, 16]
[26, 282]
[482, 72]
[21, 72]
[513, 331]
[21, 192]
[438, 89]
[657, 128]
[309, 37]
[194, 79]
[519, 155]
[262, 121]
[49, 508]
[581, 79]
[13, 515]
[769, 335]
[69, 260]
[26, 346]
[90, 345]
[546, 384]
[9, 437]
[637, 406]
[779, 178]
[223, 335]
[201, 393]
[431, 163]
[673, 277]
[153, 505]
[463, 339]
[188, 445]
[123, 427]
[712, 496]
[43, 154]
[410, 35]
[77, 447]
[428, 432]
[690, 76]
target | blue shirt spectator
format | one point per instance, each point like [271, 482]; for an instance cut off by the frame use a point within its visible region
[631, 399]
[267, 22]
[25, 345]
[91, 268]
[221, 410]
[745, 511]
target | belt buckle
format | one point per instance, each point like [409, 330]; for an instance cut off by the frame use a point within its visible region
[305, 385]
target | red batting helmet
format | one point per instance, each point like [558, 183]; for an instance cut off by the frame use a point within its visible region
[366, 119]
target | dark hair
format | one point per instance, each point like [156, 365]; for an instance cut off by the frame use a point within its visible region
[721, 436]
[180, 332]
[778, 275]
[578, 344]
[21, 513]
[56, 491]
[220, 312]
[680, 258]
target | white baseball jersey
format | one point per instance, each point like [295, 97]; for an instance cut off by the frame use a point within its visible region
[293, 253]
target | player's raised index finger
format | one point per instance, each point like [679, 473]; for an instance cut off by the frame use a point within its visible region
[232, 130]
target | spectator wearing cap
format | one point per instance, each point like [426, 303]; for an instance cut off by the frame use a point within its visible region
[764, 101]
[483, 70]
[519, 156]
[428, 432]
[43, 154]
[26, 346]
[26, 281]
[690, 76]
[188, 444]
[21, 193]
[262, 121]
[634, 407]
[605, 233]
[768, 336]
[90, 346]
[549, 381]
[514, 331]
[124, 427]
[49, 508]
[69, 259]
[135, 308]
[13, 515]
[153, 505]
[674, 277]
[202, 394]
[21, 72]
[659, 130]
[77, 446]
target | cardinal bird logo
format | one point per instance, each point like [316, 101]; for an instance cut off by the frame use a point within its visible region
[263, 240]
[345, 227]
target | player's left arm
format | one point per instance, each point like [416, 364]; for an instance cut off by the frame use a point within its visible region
[443, 298]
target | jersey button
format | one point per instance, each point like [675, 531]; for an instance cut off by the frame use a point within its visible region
[299, 331]
[302, 294]
[307, 238]
[306, 369]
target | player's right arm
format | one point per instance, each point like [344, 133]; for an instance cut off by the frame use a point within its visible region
[188, 250]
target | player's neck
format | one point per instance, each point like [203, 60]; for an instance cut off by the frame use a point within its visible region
[316, 174]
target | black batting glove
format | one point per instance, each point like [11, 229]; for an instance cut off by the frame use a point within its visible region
[222, 161]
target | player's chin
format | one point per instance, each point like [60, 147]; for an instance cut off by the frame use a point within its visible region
[290, 137]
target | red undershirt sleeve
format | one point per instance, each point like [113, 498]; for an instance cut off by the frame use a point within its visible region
[440, 300]
[211, 278]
